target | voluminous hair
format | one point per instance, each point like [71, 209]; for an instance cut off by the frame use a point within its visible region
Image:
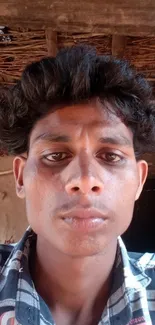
[76, 75]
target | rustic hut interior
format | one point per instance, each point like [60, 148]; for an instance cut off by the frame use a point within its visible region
[31, 30]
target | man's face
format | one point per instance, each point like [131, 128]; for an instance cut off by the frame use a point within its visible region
[80, 179]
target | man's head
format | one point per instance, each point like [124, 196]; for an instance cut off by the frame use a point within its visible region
[84, 120]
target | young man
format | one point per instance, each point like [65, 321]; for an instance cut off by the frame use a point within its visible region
[77, 125]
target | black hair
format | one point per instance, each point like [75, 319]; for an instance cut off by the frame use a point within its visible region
[75, 75]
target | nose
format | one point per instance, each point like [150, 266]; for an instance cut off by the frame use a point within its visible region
[84, 185]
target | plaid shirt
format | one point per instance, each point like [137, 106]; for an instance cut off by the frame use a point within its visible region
[132, 299]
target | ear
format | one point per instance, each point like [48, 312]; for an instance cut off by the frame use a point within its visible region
[143, 172]
[18, 169]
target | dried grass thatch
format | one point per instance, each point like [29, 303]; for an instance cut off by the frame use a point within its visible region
[141, 53]
[20, 47]
[23, 47]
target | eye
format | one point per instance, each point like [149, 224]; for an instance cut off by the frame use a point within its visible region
[110, 157]
[56, 156]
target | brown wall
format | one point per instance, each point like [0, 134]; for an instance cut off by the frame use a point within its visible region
[12, 209]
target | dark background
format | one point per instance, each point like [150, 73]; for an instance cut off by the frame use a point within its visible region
[140, 236]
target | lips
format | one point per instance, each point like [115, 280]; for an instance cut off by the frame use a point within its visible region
[82, 213]
[84, 220]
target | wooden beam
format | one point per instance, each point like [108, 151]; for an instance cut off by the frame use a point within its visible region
[118, 45]
[51, 41]
[96, 16]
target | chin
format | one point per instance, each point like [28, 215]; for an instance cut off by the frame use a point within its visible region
[84, 248]
[82, 253]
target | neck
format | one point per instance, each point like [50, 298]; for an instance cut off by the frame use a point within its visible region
[72, 283]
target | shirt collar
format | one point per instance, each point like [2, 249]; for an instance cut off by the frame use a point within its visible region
[127, 275]
[133, 273]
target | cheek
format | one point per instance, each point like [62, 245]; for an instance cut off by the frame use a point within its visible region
[127, 194]
[124, 195]
[42, 189]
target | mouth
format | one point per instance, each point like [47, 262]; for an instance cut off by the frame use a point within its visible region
[84, 220]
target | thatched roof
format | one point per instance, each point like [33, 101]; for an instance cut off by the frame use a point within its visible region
[21, 46]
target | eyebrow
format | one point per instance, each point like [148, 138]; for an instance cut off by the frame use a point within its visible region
[52, 137]
[115, 140]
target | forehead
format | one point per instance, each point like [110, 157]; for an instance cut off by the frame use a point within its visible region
[93, 116]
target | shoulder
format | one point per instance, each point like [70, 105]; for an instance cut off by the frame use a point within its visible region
[145, 264]
[142, 260]
[5, 251]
